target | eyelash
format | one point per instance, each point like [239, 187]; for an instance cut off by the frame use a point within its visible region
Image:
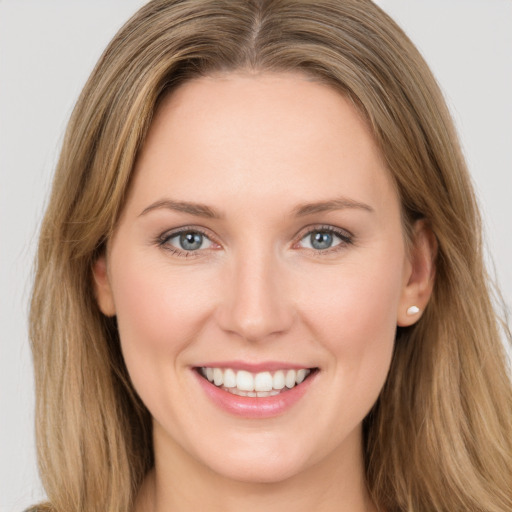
[163, 241]
[345, 237]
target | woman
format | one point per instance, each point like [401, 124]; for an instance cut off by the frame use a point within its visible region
[266, 198]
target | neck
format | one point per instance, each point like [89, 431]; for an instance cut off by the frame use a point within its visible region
[181, 483]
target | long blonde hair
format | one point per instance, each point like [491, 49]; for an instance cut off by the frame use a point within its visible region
[440, 436]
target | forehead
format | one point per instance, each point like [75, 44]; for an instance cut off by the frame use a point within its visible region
[265, 138]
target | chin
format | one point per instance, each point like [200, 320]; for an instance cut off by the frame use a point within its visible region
[267, 463]
[259, 471]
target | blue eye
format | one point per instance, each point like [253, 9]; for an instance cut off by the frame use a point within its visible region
[191, 241]
[187, 241]
[321, 240]
[324, 239]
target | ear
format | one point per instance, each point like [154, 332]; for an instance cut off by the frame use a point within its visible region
[102, 288]
[419, 275]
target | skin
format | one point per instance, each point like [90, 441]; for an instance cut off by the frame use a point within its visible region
[255, 148]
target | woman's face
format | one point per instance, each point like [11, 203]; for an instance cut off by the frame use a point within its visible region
[261, 236]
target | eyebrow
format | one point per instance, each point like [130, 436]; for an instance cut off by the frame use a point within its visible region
[302, 210]
[341, 203]
[197, 209]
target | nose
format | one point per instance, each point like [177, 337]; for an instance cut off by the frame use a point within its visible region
[256, 301]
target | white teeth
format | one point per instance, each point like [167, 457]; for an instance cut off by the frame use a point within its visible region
[244, 381]
[217, 377]
[301, 375]
[229, 378]
[278, 380]
[289, 380]
[261, 384]
[263, 381]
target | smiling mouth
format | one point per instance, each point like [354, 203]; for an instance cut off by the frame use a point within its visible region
[261, 384]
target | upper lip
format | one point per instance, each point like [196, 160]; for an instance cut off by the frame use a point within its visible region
[254, 367]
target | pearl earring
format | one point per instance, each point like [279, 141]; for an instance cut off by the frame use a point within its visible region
[413, 310]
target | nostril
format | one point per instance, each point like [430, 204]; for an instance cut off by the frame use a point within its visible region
[255, 324]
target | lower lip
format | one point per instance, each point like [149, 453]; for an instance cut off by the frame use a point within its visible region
[254, 407]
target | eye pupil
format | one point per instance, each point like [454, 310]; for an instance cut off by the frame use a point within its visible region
[191, 241]
[321, 240]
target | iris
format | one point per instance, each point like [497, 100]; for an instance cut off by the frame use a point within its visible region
[321, 240]
[191, 241]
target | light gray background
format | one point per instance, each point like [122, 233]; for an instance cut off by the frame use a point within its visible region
[47, 50]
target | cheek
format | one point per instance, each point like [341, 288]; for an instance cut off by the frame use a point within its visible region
[159, 311]
[355, 300]
[354, 317]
